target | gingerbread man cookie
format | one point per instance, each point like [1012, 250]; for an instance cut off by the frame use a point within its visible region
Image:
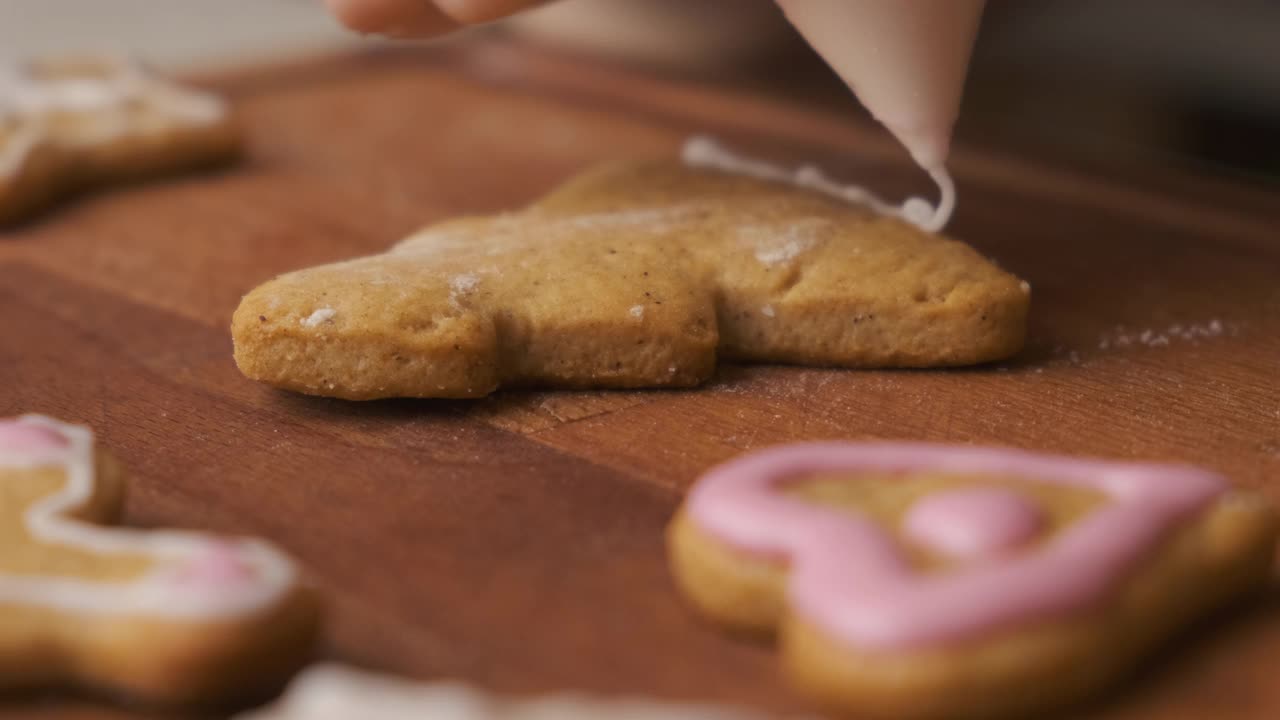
[69, 124]
[921, 581]
[334, 692]
[164, 616]
[633, 276]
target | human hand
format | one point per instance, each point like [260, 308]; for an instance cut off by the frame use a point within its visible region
[421, 18]
[905, 61]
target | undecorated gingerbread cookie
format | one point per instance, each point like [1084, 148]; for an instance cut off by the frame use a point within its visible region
[919, 581]
[69, 124]
[163, 616]
[334, 692]
[631, 276]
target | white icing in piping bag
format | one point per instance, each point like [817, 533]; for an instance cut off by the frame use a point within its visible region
[705, 152]
[906, 60]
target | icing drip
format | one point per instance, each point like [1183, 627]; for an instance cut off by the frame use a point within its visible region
[850, 577]
[705, 152]
[193, 575]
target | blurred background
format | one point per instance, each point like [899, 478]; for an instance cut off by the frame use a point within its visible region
[1188, 83]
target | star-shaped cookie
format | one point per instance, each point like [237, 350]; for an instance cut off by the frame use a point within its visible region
[69, 124]
[634, 275]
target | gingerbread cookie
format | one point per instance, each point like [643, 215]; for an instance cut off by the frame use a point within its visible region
[333, 692]
[69, 124]
[919, 581]
[164, 616]
[632, 276]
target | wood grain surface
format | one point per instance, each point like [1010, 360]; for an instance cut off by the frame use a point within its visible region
[516, 541]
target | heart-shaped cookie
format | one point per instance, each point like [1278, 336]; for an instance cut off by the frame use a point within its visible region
[929, 581]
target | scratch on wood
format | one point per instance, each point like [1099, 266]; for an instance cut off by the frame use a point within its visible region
[529, 413]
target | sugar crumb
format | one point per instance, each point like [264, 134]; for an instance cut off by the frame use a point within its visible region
[1026, 287]
[783, 253]
[1121, 337]
[637, 311]
[780, 245]
[317, 318]
[768, 311]
[464, 283]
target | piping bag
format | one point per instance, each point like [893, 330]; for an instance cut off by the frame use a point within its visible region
[906, 60]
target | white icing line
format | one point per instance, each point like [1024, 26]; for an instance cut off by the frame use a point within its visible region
[705, 152]
[26, 99]
[335, 692]
[157, 593]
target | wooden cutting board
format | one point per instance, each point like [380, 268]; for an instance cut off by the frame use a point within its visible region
[517, 541]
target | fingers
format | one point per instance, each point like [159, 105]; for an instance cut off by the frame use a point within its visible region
[471, 12]
[421, 18]
[395, 18]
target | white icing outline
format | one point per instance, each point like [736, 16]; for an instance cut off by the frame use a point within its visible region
[329, 691]
[27, 99]
[159, 592]
[705, 152]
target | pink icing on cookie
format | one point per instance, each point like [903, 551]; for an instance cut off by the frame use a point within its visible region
[218, 565]
[195, 575]
[17, 436]
[850, 577]
[973, 522]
